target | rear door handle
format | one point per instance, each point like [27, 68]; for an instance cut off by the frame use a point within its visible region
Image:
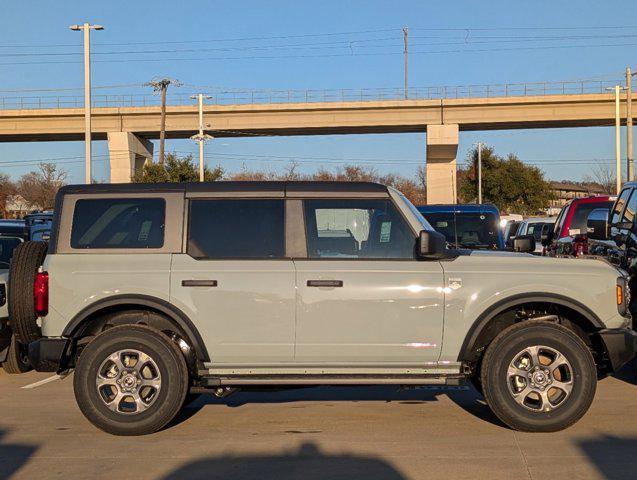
[325, 283]
[198, 283]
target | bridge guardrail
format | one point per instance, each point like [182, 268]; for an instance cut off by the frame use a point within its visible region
[243, 97]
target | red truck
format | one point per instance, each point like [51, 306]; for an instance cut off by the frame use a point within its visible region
[569, 235]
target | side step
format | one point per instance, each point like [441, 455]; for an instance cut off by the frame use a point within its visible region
[330, 379]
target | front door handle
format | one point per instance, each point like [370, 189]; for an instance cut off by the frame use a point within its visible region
[198, 283]
[325, 283]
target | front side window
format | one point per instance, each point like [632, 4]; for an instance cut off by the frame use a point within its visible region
[619, 206]
[357, 228]
[243, 229]
[118, 223]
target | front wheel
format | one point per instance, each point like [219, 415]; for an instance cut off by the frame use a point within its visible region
[538, 377]
[131, 380]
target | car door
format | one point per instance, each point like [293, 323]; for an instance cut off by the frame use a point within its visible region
[363, 298]
[235, 282]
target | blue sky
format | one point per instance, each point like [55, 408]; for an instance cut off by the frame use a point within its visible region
[320, 51]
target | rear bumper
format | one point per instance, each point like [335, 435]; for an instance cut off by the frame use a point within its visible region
[621, 346]
[50, 354]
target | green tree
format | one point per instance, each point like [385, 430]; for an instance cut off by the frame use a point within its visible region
[176, 170]
[506, 182]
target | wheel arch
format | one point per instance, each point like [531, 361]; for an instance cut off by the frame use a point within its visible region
[121, 303]
[582, 317]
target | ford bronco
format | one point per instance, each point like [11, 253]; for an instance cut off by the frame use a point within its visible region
[155, 293]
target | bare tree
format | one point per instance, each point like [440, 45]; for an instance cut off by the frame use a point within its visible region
[39, 188]
[7, 189]
[604, 175]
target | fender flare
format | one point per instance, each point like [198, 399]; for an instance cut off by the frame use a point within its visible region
[532, 297]
[166, 308]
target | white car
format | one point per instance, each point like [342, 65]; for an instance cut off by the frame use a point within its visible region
[536, 226]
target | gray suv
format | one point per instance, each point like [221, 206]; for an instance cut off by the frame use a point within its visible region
[157, 293]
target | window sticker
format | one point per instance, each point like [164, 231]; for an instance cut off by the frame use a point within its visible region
[385, 231]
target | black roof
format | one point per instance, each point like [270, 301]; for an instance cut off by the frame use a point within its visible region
[226, 186]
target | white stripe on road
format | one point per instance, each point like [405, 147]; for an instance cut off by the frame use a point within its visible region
[44, 382]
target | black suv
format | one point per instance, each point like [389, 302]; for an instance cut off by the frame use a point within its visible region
[613, 236]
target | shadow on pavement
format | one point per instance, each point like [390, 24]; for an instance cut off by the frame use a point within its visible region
[466, 398]
[13, 456]
[614, 457]
[308, 463]
[628, 373]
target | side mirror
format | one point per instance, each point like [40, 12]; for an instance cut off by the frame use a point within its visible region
[597, 224]
[431, 245]
[524, 244]
[547, 237]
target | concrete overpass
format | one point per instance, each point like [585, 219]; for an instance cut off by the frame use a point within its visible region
[129, 129]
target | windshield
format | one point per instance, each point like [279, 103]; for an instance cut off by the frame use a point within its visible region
[7, 245]
[467, 230]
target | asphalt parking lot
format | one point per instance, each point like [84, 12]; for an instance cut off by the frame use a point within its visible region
[319, 433]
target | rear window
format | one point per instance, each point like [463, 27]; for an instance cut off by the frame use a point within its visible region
[578, 222]
[467, 230]
[118, 223]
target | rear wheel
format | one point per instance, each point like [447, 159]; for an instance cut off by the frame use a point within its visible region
[538, 377]
[25, 262]
[131, 380]
[17, 360]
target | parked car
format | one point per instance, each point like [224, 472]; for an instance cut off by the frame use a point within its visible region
[539, 228]
[569, 237]
[613, 236]
[466, 226]
[13, 354]
[36, 226]
[510, 231]
[156, 293]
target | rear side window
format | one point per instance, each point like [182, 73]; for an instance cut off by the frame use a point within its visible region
[118, 223]
[236, 229]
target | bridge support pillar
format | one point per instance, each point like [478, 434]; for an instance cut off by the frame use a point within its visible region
[127, 153]
[442, 148]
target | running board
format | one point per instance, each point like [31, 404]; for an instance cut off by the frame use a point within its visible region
[238, 380]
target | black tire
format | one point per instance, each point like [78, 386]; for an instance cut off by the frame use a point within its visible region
[171, 370]
[17, 360]
[25, 262]
[530, 415]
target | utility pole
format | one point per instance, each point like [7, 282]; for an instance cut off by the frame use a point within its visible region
[86, 27]
[161, 86]
[480, 172]
[618, 155]
[201, 137]
[406, 54]
[629, 125]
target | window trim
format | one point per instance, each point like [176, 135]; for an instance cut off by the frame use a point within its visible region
[366, 198]
[186, 228]
[173, 223]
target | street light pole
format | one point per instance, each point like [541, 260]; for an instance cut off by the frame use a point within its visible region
[629, 125]
[406, 59]
[618, 155]
[201, 138]
[86, 27]
[480, 172]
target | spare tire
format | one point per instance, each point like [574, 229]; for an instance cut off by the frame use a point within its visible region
[25, 262]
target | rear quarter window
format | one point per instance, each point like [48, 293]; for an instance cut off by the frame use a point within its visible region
[118, 223]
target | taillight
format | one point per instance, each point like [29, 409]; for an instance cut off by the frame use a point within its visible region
[580, 245]
[41, 294]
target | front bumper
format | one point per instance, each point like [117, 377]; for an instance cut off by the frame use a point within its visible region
[51, 354]
[620, 344]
